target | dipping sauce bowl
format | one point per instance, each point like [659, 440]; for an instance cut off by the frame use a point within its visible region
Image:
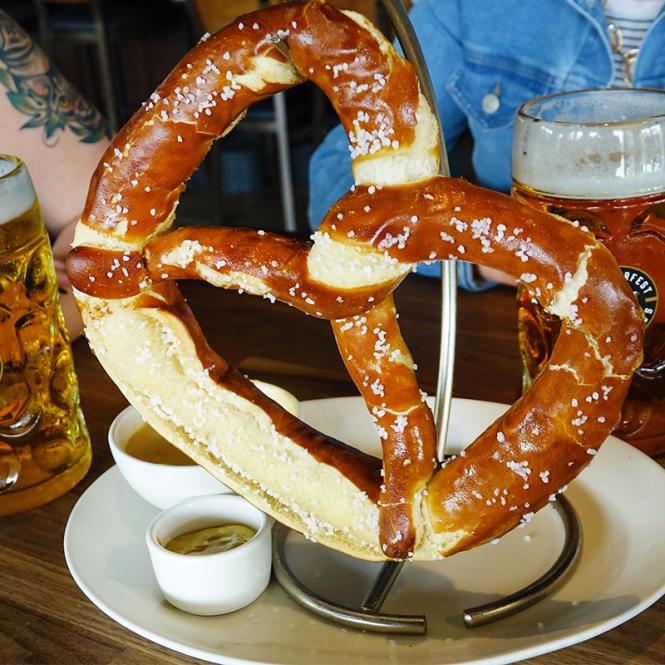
[210, 584]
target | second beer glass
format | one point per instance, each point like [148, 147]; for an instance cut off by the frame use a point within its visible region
[597, 157]
[44, 444]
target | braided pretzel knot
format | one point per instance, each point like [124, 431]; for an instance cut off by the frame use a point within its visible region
[399, 213]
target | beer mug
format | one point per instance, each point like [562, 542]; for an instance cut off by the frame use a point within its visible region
[44, 445]
[597, 157]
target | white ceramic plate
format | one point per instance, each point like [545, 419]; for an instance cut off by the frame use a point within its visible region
[619, 500]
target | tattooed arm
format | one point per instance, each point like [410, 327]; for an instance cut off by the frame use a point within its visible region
[47, 123]
[57, 133]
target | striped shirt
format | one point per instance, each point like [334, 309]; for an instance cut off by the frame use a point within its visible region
[630, 20]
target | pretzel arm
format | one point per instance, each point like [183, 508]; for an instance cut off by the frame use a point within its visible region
[381, 366]
[551, 433]
[255, 262]
[203, 98]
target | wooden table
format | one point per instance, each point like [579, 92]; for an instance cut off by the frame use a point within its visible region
[44, 618]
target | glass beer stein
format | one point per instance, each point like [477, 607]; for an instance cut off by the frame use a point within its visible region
[598, 157]
[44, 444]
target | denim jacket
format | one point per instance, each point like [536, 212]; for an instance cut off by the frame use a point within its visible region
[513, 48]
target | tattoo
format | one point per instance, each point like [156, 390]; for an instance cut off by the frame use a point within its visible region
[37, 89]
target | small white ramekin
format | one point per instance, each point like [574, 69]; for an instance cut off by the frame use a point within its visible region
[164, 485]
[211, 584]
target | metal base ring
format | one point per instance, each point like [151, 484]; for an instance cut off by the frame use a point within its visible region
[368, 617]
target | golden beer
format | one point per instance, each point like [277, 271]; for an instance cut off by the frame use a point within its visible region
[44, 444]
[598, 158]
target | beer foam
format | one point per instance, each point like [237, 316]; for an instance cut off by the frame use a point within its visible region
[602, 145]
[17, 195]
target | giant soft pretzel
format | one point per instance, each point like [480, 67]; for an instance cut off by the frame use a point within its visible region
[399, 213]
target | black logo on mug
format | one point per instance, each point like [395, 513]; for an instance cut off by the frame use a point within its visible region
[644, 289]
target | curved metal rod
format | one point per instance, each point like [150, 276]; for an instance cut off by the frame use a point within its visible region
[368, 618]
[404, 624]
[545, 584]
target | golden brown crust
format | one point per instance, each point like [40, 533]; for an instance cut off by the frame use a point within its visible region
[279, 263]
[126, 261]
[205, 95]
[158, 149]
[104, 273]
[380, 365]
[357, 78]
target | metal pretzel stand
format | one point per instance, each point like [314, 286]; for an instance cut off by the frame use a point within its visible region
[368, 616]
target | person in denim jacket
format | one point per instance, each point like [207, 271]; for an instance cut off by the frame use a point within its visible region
[486, 58]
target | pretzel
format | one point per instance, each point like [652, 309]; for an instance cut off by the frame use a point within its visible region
[399, 213]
